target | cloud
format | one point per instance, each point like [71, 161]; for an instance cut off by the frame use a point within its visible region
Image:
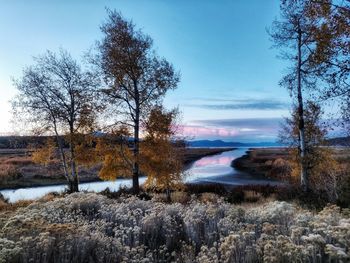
[255, 124]
[234, 129]
[241, 104]
[208, 132]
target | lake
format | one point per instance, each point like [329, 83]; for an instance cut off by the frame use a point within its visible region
[211, 169]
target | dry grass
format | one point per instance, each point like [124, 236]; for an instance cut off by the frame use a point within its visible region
[8, 172]
[4, 206]
[18, 160]
[49, 197]
[180, 197]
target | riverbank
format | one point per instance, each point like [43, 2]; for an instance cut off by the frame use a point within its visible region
[18, 170]
[259, 161]
[272, 162]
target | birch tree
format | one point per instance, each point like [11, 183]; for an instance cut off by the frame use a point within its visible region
[135, 76]
[292, 34]
[56, 96]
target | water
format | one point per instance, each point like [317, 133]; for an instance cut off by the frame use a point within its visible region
[212, 169]
[217, 169]
[36, 192]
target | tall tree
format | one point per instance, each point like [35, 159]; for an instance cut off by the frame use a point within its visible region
[136, 77]
[57, 96]
[292, 34]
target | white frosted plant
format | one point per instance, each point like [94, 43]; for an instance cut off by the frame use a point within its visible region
[89, 227]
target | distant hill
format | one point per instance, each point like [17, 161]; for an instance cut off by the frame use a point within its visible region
[339, 141]
[220, 143]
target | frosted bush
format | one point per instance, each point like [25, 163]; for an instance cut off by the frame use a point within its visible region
[88, 227]
[9, 251]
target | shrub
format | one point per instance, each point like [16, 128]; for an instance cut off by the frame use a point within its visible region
[89, 227]
[125, 192]
[180, 197]
[8, 172]
[236, 196]
[209, 198]
[344, 188]
[206, 188]
[280, 169]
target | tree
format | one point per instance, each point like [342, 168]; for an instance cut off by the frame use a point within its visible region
[320, 165]
[136, 77]
[160, 154]
[293, 34]
[57, 96]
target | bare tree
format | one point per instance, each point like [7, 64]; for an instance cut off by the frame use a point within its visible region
[57, 96]
[136, 77]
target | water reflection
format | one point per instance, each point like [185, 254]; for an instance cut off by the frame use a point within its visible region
[216, 165]
[217, 169]
[209, 161]
[37, 192]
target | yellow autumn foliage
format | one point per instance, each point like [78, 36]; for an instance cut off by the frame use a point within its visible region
[116, 157]
[160, 158]
[46, 153]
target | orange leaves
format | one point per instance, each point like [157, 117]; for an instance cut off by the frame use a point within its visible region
[116, 157]
[84, 151]
[161, 162]
[113, 167]
[160, 158]
[160, 123]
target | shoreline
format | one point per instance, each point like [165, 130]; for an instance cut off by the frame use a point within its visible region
[190, 156]
[256, 161]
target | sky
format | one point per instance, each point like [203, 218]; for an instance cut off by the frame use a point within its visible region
[229, 72]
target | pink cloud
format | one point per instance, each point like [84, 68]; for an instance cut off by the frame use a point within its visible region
[202, 131]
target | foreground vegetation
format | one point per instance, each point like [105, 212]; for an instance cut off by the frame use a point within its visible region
[89, 227]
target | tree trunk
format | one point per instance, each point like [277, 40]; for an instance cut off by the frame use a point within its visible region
[63, 159]
[74, 173]
[303, 173]
[136, 169]
[168, 195]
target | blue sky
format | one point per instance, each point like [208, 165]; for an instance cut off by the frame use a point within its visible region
[229, 73]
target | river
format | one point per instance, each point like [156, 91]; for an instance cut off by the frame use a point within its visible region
[211, 169]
